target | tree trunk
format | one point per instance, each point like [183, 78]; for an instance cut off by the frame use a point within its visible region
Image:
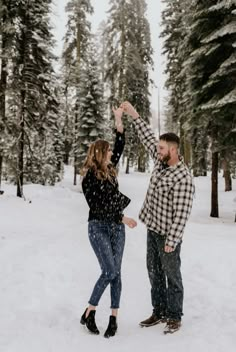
[75, 140]
[185, 147]
[78, 56]
[199, 156]
[122, 46]
[200, 168]
[0, 171]
[141, 164]
[182, 140]
[20, 163]
[227, 175]
[187, 152]
[20, 175]
[67, 144]
[75, 172]
[214, 186]
[127, 166]
[20, 169]
[3, 85]
[203, 166]
[141, 159]
[67, 148]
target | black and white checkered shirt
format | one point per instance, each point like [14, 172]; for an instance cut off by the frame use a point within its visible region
[169, 197]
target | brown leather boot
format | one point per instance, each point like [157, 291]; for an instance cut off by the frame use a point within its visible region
[152, 320]
[172, 326]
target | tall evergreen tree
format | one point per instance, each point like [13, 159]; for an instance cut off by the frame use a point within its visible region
[91, 123]
[76, 40]
[174, 32]
[129, 59]
[100, 44]
[66, 110]
[200, 46]
[32, 103]
[6, 42]
[211, 77]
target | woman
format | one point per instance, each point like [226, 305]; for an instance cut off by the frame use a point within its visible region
[106, 222]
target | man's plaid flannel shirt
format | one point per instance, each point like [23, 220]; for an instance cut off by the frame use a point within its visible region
[169, 197]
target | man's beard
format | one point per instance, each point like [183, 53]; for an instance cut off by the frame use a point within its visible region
[165, 158]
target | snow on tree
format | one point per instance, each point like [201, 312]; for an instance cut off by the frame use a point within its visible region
[129, 60]
[74, 54]
[91, 122]
[174, 32]
[211, 79]
[31, 102]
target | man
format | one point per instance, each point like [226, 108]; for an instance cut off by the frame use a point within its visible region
[165, 212]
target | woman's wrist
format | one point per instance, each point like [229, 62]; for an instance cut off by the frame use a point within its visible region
[119, 126]
[118, 122]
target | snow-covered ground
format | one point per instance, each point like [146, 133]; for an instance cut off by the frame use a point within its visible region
[48, 269]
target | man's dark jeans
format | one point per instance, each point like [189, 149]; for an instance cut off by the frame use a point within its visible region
[165, 277]
[107, 240]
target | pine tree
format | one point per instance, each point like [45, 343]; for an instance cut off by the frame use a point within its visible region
[222, 82]
[32, 104]
[66, 110]
[174, 31]
[100, 44]
[100, 41]
[6, 43]
[129, 57]
[211, 78]
[91, 123]
[75, 48]
[47, 143]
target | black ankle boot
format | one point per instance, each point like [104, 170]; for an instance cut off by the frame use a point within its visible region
[90, 321]
[112, 327]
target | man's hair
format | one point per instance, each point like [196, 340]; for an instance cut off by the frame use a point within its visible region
[170, 137]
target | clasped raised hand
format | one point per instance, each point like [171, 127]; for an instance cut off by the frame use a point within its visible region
[129, 109]
[118, 121]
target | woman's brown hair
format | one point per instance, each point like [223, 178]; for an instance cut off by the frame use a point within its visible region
[97, 161]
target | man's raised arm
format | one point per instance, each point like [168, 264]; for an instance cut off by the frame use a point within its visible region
[144, 131]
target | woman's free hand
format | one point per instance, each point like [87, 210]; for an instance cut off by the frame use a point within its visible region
[129, 222]
[118, 121]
